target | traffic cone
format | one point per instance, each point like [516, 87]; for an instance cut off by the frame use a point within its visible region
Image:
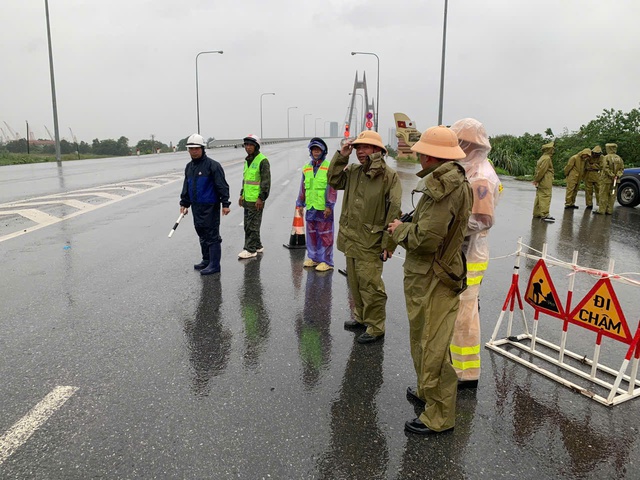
[296, 240]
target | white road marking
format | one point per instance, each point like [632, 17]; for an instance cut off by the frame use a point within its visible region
[285, 183]
[27, 425]
[241, 223]
[43, 219]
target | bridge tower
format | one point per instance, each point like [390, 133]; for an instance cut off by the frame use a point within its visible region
[368, 106]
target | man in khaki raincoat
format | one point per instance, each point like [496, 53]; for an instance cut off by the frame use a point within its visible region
[435, 275]
[487, 188]
[573, 172]
[372, 197]
[592, 177]
[543, 181]
[612, 170]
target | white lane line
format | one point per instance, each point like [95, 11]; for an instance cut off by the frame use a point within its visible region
[285, 183]
[27, 425]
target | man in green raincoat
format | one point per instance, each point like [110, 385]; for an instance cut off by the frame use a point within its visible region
[592, 177]
[543, 181]
[372, 197]
[612, 170]
[573, 172]
[435, 275]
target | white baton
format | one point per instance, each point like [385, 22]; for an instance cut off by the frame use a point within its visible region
[176, 225]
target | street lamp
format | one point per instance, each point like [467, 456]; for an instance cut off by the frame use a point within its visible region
[316, 126]
[197, 93]
[53, 89]
[444, 43]
[377, 86]
[290, 108]
[304, 124]
[261, 135]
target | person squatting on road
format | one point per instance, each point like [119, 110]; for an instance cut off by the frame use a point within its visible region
[543, 181]
[256, 184]
[611, 171]
[487, 188]
[435, 275]
[205, 188]
[592, 177]
[320, 198]
[372, 197]
[574, 172]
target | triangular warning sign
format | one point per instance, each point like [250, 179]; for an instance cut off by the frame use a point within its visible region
[541, 293]
[600, 310]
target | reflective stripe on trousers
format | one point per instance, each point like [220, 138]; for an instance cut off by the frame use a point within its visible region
[465, 344]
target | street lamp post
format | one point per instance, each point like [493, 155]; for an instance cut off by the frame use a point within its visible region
[262, 95]
[377, 85]
[197, 93]
[316, 126]
[288, 109]
[56, 130]
[444, 44]
[304, 124]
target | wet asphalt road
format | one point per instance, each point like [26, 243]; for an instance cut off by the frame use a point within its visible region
[250, 374]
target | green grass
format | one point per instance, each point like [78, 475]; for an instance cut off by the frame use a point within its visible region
[7, 158]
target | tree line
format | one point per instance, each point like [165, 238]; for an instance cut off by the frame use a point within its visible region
[518, 155]
[107, 147]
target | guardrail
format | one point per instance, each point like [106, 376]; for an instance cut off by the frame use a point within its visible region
[237, 142]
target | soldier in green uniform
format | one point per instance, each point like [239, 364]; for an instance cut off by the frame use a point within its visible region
[612, 170]
[543, 181]
[435, 275]
[573, 172]
[372, 197]
[592, 177]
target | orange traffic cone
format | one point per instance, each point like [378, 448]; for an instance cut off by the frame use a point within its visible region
[296, 240]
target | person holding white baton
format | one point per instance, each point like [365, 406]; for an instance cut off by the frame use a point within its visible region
[205, 189]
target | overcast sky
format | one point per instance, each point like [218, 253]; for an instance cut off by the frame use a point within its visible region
[127, 67]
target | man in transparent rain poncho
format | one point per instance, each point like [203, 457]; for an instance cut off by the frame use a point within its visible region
[487, 188]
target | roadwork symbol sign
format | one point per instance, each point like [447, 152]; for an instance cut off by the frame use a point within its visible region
[600, 310]
[541, 293]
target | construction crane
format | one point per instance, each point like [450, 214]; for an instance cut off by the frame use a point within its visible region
[16, 136]
[5, 137]
[50, 136]
[75, 140]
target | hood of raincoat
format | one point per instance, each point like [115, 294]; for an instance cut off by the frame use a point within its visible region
[611, 148]
[548, 148]
[596, 151]
[474, 141]
[441, 181]
[375, 165]
[586, 152]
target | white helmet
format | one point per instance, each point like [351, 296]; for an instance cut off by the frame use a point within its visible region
[196, 140]
[252, 139]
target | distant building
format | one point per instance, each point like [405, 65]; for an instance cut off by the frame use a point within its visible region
[333, 129]
[393, 140]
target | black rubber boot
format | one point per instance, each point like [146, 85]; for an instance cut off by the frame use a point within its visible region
[203, 264]
[215, 252]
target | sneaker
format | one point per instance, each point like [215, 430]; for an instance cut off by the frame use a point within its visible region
[246, 254]
[548, 219]
[309, 263]
[323, 267]
[260, 250]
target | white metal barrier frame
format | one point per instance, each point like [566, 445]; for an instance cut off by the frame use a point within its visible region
[617, 394]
